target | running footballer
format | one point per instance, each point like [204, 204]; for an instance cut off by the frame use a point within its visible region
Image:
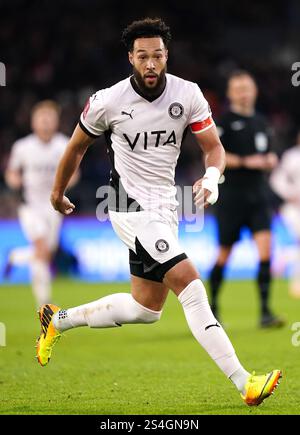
[144, 117]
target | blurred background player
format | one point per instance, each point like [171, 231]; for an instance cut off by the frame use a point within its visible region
[31, 170]
[285, 181]
[244, 194]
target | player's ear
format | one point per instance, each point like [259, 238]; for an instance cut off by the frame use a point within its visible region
[130, 57]
[166, 54]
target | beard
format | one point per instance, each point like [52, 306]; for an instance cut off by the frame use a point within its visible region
[153, 90]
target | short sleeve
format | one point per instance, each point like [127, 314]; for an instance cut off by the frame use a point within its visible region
[93, 119]
[200, 115]
[15, 161]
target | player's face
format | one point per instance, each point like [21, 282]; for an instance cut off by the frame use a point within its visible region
[44, 123]
[242, 91]
[149, 58]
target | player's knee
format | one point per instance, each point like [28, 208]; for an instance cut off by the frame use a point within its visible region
[144, 314]
[181, 275]
[194, 294]
[224, 253]
[194, 297]
[41, 250]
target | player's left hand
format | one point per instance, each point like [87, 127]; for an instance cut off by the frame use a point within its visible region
[205, 193]
[62, 204]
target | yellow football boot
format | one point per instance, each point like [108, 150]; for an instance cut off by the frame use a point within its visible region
[49, 335]
[258, 388]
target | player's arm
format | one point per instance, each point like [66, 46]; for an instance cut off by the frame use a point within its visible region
[233, 161]
[13, 173]
[13, 178]
[67, 167]
[74, 179]
[283, 180]
[262, 162]
[206, 189]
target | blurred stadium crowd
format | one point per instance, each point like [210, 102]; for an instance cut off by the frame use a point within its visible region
[66, 50]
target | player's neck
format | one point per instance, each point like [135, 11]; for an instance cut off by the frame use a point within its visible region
[242, 110]
[149, 95]
[45, 138]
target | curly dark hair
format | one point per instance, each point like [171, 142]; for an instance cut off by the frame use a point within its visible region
[146, 28]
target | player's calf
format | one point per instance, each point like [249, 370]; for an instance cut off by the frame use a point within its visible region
[110, 311]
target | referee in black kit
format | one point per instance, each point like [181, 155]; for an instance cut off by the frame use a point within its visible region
[243, 197]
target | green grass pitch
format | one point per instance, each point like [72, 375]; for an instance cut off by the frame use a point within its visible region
[143, 369]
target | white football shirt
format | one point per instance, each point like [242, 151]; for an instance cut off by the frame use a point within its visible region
[285, 179]
[144, 138]
[38, 162]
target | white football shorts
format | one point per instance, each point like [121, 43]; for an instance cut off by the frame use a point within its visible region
[40, 222]
[152, 240]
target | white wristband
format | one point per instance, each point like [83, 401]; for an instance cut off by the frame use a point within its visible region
[210, 182]
[213, 174]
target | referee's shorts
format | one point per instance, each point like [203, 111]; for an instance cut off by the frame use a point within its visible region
[152, 240]
[238, 208]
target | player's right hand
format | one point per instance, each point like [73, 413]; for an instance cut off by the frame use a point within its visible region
[62, 204]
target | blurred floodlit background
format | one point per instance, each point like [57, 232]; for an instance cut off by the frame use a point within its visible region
[67, 50]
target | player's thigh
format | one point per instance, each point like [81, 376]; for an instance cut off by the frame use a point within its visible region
[150, 294]
[54, 222]
[263, 242]
[230, 219]
[157, 237]
[180, 276]
[152, 239]
[260, 226]
[291, 216]
[41, 249]
[35, 228]
[32, 222]
[124, 226]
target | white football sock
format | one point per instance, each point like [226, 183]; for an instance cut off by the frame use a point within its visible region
[239, 378]
[41, 281]
[207, 330]
[108, 312]
[21, 256]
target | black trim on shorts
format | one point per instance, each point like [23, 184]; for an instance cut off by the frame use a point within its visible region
[144, 266]
[137, 268]
[165, 267]
[94, 136]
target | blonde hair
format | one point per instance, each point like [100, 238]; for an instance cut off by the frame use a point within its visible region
[46, 104]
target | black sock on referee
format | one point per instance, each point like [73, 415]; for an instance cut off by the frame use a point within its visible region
[264, 281]
[215, 281]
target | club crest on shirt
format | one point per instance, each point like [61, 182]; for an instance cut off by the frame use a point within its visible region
[86, 108]
[176, 110]
[162, 245]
